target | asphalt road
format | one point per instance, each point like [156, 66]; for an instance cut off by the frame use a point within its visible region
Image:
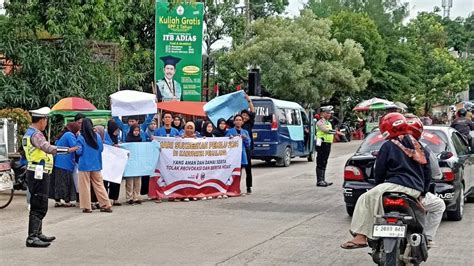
[288, 220]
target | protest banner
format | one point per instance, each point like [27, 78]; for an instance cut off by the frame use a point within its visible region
[225, 106]
[178, 42]
[128, 102]
[197, 168]
[114, 161]
[143, 158]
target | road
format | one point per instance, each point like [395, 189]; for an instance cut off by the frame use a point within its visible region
[288, 220]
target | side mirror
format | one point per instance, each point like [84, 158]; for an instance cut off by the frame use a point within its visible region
[445, 155]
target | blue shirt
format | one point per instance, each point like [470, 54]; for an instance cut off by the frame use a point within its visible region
[107, 139]
[125, 128]
[66, 161]
[245, 141]
[90, 159]
[161, 132]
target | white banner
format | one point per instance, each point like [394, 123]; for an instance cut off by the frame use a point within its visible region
[198, 167]
[127, 102]
[114, 161]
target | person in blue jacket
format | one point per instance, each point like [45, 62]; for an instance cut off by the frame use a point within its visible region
[90, 164]
[237, 130]
[133, 120]
[167, 130]
[62, 182]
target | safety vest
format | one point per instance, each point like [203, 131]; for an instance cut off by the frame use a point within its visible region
[326, 137]
[34, 155]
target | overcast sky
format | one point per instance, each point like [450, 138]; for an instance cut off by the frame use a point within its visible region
[460, 7]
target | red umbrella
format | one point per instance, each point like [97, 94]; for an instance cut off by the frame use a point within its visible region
[74, 103]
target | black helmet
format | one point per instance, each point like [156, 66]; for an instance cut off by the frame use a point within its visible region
[462, 112]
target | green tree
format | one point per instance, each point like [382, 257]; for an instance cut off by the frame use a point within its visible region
[299, 59]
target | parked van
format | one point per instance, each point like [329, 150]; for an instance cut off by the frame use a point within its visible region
[282, 130]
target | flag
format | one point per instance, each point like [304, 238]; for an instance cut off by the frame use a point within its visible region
[237, 88]
[216, 89]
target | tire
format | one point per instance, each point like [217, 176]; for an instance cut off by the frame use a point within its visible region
[311, 157]
[285, 161]
[457, 214]
[392, 258]
[6, 196]
[350, 210]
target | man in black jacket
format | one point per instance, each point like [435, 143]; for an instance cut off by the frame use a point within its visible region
[463, 125]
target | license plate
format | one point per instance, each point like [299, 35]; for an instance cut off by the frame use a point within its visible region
[254, 135]
[389, 230]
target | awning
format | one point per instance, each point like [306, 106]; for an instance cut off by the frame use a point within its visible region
[183, 107]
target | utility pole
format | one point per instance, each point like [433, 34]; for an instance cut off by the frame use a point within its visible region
[446, 4]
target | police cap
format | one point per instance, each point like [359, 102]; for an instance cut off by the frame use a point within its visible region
[42, 112]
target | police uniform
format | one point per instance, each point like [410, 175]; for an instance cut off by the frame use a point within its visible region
[325, 137]
[39, 154]
[169, 90]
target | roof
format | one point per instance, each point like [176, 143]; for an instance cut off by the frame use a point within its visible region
[279, 103]
[184, 107]
[86, 113]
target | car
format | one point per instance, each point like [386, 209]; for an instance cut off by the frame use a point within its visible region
[454, 158]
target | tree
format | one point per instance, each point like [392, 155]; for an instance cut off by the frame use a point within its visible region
[299, 61]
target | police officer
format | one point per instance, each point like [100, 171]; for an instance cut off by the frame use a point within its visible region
[39, 154]
[324, 138]
[463, 125]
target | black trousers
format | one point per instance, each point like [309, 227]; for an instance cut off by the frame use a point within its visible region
[323, 154]
[248, 169]
[113, 189]
[145, 185]
[39, 190]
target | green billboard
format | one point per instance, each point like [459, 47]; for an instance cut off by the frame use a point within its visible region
[178, 50]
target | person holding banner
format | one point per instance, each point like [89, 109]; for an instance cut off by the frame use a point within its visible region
[167, 130]
[90, 164]
[249, 121]
[133, 120]
[189, 130]
[237, 130]
[150, 131]
[221, 128]
[133, 184]
[111, 138]
[178, 122]
[207, 130]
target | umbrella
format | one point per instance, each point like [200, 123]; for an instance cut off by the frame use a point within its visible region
[74, 103]
[401, 105]
[375, 104]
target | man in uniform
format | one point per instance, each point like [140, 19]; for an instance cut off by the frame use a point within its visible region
[168, 88]
[39, 154]
[325, 136]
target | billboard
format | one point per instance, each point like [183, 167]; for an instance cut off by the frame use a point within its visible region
[178, 50]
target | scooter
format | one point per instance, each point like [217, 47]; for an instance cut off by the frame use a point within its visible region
[398, 234]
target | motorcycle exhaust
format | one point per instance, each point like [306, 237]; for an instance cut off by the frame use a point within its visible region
[415, 240]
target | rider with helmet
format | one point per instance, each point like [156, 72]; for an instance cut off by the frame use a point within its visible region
[463, 124]
[402, 165]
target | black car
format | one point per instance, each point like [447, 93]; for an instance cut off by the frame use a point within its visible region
[454, 158]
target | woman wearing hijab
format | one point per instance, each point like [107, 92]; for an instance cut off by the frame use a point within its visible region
[150, 131]
[189, 130]
[178, 122]
[207, 130]
[221, 128]
[90, 164]
[133, 184]
[62, 181]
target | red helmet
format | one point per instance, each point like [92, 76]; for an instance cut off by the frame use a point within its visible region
[415, 127]
[393, 125]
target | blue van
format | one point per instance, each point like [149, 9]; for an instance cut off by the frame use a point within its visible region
[282, 130]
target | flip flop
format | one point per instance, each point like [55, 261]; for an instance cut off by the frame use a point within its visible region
[353, 245]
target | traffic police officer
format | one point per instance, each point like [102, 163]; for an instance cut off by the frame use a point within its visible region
[324, 138]
[39, 154]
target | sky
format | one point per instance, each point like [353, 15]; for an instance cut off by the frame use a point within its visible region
[460, 7]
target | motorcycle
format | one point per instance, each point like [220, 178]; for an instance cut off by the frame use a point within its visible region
[398, 234]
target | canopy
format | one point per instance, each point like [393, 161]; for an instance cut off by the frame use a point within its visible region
[375, 104]
[183, 107]
[74, 103]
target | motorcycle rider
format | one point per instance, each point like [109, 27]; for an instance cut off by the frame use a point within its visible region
[402, 165]
[433, 205]
[39, 154]
[463, 125]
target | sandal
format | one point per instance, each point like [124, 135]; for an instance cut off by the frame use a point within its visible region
[87, 211]
[109, 210]
[59, 205]
[353, 245]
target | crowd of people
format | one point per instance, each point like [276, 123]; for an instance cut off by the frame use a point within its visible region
[78, 149]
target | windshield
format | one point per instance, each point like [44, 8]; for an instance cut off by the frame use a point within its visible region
[435, 140]
[263, 108]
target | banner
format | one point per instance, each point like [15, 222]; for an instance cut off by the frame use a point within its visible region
[114, 161]
[128, 102]
[197, 168]
[226, 106]
[143, 158]
[178, 45]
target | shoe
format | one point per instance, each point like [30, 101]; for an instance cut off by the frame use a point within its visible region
[186, 199]
[209, 198]
[138, 202]
[323, 184]
[46, 238]
[130, 202]
[117, 204]
[158, 201]
[249, 191]
[177, 200]
[219, 197]
[225, 196]
[109, 210]
[35, 242]
[87, 211]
